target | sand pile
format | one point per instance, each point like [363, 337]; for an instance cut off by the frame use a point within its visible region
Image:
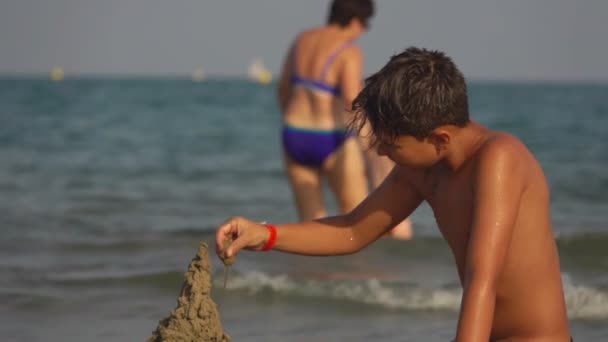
[196, 317]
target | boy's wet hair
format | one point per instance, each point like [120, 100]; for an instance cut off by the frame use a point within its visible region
[341, 12]
[417, 91]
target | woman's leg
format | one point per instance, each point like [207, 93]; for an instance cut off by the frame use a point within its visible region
[345, 170]
[307, 190]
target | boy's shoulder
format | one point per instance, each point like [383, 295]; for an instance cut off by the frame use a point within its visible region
[502, 153]
[501, 145]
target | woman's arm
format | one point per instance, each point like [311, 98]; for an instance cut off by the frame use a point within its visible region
[284, 87]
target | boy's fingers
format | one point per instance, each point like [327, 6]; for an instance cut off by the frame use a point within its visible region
[225, 230]
[238, 244]
[234, 248]
[219, 236]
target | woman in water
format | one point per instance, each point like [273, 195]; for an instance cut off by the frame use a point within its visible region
[321, 75]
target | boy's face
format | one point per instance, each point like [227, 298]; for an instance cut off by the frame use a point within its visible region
[410, 151]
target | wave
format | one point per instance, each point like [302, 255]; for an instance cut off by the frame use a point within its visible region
[583, 302]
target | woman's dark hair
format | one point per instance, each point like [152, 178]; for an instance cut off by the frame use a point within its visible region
[341, 12]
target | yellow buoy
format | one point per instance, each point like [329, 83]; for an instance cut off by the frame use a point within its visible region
[57, 74]
[258, 72]
[198, 75]
[265, 77]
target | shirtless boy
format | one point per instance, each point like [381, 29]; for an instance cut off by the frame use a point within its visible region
[487, 191]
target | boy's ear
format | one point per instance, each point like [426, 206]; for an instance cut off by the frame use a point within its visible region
[440, 138]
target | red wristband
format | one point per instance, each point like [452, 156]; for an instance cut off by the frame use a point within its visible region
[273, 237]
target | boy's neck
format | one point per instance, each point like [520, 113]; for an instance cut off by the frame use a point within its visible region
[465, 142]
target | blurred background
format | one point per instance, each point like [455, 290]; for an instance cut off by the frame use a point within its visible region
[130, 129]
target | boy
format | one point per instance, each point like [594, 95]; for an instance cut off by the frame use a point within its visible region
[488, 193]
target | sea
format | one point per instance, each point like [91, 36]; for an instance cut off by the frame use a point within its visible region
[108, 185]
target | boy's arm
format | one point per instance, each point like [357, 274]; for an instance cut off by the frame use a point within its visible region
[388, 205]
[284, 87]
[498, 189]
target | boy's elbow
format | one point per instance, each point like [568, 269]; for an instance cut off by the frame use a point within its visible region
[349, 244]
[352, 248]
[355, 240]
[355, 246]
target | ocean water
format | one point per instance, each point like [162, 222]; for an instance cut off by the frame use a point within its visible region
[108, 185]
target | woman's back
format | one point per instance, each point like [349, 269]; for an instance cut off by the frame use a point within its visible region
[320, 77]
[318, 63]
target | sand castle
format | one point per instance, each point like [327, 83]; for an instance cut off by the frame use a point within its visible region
[196, 317]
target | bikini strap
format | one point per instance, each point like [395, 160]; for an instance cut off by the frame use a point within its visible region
[332, 58]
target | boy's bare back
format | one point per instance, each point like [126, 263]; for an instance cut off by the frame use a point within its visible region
[529, 295]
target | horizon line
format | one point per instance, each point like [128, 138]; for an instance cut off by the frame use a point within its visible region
[244, 77]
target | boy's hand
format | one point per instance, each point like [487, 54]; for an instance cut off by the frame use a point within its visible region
[245, 234]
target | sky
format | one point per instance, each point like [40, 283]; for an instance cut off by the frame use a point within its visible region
[488, 39]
